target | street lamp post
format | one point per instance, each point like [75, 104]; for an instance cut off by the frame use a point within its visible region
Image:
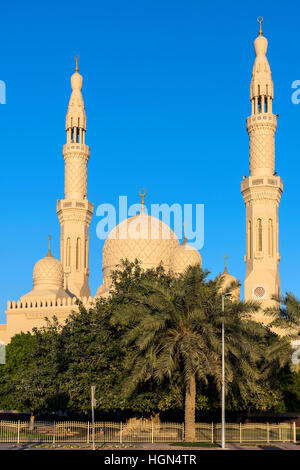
[93, 402]
[223, 372]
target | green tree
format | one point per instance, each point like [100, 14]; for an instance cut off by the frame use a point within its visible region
[38, 386]
[19, 358]
[93, 355]
[158, 337]
[286, 319]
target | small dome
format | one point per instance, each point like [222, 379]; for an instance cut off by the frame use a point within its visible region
[228, 279]
[183, 256]
[48, 278]
[48, 272]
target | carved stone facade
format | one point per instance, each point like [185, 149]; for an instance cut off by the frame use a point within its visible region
[75, 212]
[58, 284]
[262, 189]
[261, 130]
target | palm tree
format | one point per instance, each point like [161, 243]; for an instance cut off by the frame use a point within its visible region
[286, 314]
[176, 326]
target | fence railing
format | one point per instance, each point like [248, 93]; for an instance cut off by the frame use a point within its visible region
[140, 431]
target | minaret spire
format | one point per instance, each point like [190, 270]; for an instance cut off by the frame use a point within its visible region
[76, 118]
[75, 211]
[262, 123]
[262, 189]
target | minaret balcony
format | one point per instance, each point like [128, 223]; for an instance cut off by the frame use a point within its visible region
[76, 147]
[83, 204]
[261, 118]
[254, 181]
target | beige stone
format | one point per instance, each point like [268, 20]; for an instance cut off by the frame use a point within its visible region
[262, 189]
[58, 284]
[183, 256]
[141, 237]
[75, 211]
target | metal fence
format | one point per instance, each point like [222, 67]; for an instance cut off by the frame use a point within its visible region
[257, 432]
[140, 431]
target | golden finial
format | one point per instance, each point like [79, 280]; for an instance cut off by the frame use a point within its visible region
[49, 251]
[225, 270]
[143, 194]
[76, 58]
[260, 20]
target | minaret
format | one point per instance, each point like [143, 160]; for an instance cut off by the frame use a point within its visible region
[263, 188]
[75, 211]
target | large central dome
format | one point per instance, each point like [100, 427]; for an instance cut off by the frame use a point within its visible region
[141, 237]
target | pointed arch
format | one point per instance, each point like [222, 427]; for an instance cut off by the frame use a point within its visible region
[270, 238]
[68, 252]
[78, 254]
[249, 239]
[259, 235]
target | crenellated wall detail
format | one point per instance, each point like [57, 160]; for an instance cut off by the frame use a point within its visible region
[47, 303]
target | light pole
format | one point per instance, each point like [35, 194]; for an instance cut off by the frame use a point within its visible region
[93, 387]
[223, 373]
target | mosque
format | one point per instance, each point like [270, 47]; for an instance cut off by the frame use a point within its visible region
[58, 283]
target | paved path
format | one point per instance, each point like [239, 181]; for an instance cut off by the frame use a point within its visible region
[157, 446]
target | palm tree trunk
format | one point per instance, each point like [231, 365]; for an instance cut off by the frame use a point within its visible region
[31, 425]
[190, 399]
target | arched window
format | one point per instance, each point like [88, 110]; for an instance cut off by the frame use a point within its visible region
[68, 253]
[259, 235]
[78, 254]
[260, 104]
[270, 237]
[249, 239]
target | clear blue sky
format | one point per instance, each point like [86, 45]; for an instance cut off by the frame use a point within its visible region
[166, 88]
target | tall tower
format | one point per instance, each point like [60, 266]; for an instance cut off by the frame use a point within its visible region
[263, 188]
[75, 211]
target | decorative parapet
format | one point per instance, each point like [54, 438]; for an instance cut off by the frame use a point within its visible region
[261, 181]
[76, 148]
[262, 189]
[73, 204]
[261, 119]
[47, 303]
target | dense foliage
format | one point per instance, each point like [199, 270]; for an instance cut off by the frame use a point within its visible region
[133, 347]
